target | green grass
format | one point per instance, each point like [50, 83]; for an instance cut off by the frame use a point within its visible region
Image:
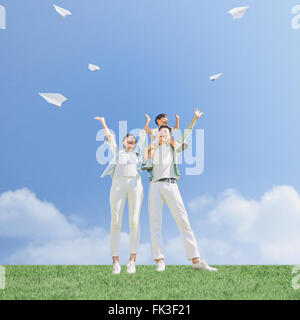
[177, 282]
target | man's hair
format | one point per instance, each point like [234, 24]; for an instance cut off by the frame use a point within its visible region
[165, 126]
[161, 115]
[129, 135]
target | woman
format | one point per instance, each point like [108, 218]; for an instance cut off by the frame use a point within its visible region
[126, 183]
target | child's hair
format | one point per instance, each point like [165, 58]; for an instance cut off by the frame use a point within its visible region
[161, 115]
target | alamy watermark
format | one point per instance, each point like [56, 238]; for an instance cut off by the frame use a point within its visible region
[296, 19]
[193, 155]
[2, 278]
[2, 17]
[296, 279]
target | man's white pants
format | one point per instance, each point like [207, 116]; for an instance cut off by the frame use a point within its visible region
[121, 189]
[159, 193]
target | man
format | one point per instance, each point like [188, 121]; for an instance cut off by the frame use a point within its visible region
[163, 176]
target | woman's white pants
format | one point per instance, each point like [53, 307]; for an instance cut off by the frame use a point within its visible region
[121, 189]
[165, 192]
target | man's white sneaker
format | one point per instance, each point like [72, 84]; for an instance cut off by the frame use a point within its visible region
[131, 267]
[202, 265]
[160, 266]
[116, 268]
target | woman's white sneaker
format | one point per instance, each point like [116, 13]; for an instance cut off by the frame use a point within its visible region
[202, 265]
[131, 267]
[160, 266]
[116, 268]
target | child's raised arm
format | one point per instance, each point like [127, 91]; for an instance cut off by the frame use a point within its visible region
[176, 127]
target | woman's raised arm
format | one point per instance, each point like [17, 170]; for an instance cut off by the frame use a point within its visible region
[106, 130]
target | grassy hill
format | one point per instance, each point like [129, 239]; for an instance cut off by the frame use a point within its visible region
[177, 282]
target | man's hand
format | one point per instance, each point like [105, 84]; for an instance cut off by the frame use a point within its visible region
[197, 113]
[196, 116]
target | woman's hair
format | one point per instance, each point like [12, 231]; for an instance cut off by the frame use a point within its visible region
[129, 135]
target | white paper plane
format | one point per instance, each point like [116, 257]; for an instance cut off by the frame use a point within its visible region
[54, 98]
[63, 12]
[215, 77]
[239, 12]
[93, 67]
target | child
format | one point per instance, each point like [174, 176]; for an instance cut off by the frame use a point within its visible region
[161, 119]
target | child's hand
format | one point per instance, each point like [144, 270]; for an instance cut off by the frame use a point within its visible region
[176, 127]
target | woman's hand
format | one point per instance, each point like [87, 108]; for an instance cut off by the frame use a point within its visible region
[101, 119]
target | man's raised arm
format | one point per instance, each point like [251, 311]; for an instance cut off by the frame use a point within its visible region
[187, 131]
[197, 115]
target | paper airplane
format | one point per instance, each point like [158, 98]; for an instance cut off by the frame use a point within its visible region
[239, 12]
[215, 77]
[54, 98]
[63, 12]
[93, 67]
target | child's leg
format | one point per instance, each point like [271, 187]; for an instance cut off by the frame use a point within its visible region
[148, 153]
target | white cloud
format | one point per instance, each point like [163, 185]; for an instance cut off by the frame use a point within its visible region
[23, 215]
[92, 247]
[49, 238]
[200, 202]
[269, 227]
[230, 230]
[208, 248]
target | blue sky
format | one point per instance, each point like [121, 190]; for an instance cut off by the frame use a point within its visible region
[156, 56]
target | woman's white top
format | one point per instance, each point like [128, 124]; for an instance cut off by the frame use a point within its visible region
[126, 165]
